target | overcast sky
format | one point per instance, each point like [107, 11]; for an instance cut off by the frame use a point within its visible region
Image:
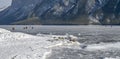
[4, 4]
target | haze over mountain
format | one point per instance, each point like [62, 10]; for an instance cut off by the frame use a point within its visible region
[62, 12]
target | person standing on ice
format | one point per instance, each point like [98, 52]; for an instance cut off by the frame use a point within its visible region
[13, 28]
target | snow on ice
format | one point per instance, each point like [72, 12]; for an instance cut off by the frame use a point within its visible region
[16, 45]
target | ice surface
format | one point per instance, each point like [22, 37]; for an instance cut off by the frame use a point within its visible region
[3, 30]
[93, 42]
[103, 46]
[112, 58]
[16, 45]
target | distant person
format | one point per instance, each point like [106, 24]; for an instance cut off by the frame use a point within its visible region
[23, 27]
[32, 27]
[26, 27]
[13, 28]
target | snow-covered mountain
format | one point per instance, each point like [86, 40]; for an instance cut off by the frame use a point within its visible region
[4, 4]
[62, 12]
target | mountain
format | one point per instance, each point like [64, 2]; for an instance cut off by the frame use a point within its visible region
[4, 4]
[62, 12]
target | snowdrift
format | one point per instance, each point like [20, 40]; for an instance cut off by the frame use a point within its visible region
[8, 35]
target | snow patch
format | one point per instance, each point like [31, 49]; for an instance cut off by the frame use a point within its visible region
[103, 46]
[4, 31]
[5, 4]
[112, 58]
[46, 54]
[16, 45]
[8, 35]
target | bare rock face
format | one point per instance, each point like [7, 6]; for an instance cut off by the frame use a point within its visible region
[61, 12]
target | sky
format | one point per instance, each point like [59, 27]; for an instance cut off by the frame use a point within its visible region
[4, 4]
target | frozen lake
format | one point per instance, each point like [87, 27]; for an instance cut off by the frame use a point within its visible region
[34, 29]
[98, 42]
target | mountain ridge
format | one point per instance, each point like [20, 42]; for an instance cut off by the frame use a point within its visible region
[63, 11]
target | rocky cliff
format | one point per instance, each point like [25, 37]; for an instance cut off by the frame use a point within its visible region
[62, 12]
